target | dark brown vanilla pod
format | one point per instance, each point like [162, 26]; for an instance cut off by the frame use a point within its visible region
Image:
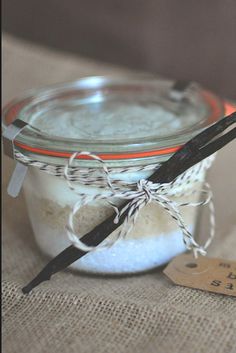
[194, 151]
[198, 148]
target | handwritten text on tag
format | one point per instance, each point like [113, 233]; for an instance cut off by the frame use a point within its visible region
[209, 274]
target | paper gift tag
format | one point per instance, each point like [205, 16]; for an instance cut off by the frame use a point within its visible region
[209, 274]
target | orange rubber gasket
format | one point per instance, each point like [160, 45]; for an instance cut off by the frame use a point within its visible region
[208, 97]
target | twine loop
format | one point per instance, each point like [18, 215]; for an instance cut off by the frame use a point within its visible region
[138, 196]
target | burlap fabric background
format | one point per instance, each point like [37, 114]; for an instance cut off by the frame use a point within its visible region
[81, 314]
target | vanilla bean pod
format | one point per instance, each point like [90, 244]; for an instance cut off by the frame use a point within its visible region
[194, 151]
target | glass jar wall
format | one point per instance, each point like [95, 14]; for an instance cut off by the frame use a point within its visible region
[133, 124]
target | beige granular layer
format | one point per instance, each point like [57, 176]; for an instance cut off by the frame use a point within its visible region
[152, 219]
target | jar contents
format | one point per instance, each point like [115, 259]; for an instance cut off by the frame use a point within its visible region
[154, 239]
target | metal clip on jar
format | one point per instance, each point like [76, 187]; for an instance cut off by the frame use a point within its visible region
[132, 124]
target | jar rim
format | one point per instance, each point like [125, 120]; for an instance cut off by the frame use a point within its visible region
[34, 142]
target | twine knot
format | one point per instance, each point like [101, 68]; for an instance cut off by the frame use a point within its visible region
[145, 188]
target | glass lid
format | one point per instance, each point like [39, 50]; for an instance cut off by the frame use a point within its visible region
[116, 118]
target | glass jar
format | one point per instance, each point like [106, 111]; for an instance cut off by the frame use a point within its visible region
[133, 124]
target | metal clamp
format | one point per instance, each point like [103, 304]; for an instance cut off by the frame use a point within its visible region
[20, 170]
[179, 89]
[9, 136]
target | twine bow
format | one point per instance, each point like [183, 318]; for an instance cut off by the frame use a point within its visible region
[142, 194]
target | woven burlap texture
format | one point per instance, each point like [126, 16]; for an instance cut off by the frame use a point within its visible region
[83, 314]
